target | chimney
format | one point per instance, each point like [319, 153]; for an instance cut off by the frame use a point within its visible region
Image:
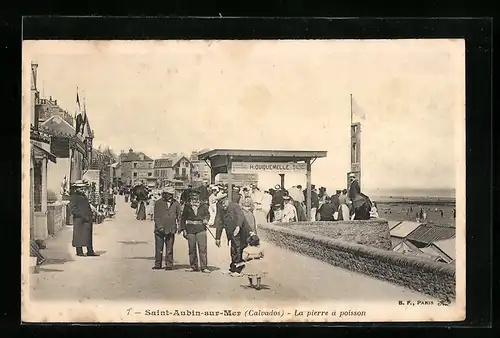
[55, 102]
[122, 151]
[131, 150]
[34, 73]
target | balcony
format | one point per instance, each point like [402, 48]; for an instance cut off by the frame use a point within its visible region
[181, 177]
[36, 135]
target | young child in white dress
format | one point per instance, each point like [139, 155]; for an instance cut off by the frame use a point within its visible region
[253, 256]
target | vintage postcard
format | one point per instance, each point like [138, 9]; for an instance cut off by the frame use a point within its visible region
[243, 181]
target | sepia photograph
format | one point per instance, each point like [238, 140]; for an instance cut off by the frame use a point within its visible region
[228, 181]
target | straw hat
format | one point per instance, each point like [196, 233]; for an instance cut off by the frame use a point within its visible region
[80, 183]
[168, 190]
[220, 196]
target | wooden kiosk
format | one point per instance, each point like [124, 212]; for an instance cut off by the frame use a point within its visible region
[229, 161]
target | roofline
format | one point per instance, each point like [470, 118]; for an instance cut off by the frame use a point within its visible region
[237, 152]
[53, 116]
[174, 164]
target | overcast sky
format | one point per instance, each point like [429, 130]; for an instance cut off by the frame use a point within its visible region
[178, 96]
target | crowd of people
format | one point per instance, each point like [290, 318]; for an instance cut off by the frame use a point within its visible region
[209, 206]
[195, 211]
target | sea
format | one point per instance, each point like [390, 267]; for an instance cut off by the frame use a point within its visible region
[413, 195]
[413, 192]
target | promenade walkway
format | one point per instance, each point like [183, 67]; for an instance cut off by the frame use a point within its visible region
[123, 272]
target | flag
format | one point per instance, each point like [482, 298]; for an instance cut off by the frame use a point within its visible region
[77, 99]
[356, 110]
[84, 121]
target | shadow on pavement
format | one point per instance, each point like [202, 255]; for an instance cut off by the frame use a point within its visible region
[49, 261]
[141, 257]
[49, 270]
[100, 252]
[133, 242]
[187, 266]
[262, 287]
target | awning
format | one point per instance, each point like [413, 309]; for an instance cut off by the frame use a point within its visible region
[49, 155]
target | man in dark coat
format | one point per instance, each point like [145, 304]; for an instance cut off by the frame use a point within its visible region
[326, 210]
[167, 214]
[354, 188]
[230, 217]
[194, 219]
[204, 192]
[186, 193]
[335, 200]
[82, 219]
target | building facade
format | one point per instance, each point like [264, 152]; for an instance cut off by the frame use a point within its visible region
[136, 167]
[200, 171]
[40, 156]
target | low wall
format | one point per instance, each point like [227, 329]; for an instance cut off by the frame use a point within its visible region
[419, 274]
[40, 227]
[56, 216]
[374, 232]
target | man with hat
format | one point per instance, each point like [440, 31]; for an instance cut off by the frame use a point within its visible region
[82, 219]
[336, 203]
[230, 217]
[194, 219]
[354, 188]
[186, 193]
[204, 191]
[167, 215]
[278, 198]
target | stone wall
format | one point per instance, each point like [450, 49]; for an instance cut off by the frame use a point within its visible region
[374, 233]
[56, 216]
[419, 274]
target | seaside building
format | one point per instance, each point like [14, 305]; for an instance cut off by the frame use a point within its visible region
[136, 167]
[200, 171]
[422, 240]
[173, 168]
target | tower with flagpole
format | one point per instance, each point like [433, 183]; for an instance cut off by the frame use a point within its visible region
[355, 141]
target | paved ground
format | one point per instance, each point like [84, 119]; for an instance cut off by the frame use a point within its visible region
[123, 272]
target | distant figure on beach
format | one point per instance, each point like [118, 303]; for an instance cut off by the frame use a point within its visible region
[442, 213]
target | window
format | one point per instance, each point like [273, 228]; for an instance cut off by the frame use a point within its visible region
[354, 156]
[177, 171]
[183, 171]
[135, 165]
[150, 174]
[37, 183]
[135, 174]
[150, 165]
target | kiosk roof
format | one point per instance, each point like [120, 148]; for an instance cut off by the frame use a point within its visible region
[263, 155]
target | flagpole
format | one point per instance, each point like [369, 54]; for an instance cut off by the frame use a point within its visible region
[351, 109]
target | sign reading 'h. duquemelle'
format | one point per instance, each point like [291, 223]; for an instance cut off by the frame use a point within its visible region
[247, 167]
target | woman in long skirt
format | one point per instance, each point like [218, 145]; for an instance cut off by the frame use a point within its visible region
[141, 210]
[247, 208]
